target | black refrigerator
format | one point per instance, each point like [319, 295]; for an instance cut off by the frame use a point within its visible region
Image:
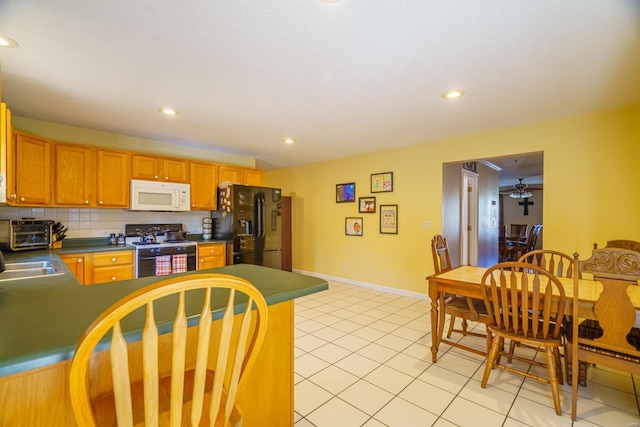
[250, 220]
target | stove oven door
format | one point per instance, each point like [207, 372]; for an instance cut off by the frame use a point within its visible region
[146, 261]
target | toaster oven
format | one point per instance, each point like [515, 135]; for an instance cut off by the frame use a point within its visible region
[25, 234]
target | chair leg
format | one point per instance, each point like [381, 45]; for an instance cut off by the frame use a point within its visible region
[558, 359]
[512, 348]
[553, 379]
[491, 357]
[464, 326]
[452, 321]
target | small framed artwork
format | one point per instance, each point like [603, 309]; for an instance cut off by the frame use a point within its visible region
[367, 205]
[381, 182]
[346, 192]
[388, 219]
[353, 226]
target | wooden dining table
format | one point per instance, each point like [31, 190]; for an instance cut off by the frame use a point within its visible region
[466, 281]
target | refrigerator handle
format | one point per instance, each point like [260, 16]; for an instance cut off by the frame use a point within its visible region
[258, 218]
[261, 217]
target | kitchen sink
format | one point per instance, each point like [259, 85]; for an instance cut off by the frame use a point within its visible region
[30, 270]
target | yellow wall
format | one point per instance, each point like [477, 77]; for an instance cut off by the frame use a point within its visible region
[591, 181]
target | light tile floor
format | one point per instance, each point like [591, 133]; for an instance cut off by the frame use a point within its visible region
[362, 358]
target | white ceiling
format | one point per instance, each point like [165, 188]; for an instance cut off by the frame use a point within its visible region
[341, 78]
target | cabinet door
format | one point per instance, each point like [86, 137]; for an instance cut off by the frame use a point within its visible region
[175, 170]
[204, 180]
[211, 256]
[145, 167]
[31, 168]
[74, 175]
[229, 174]
[6, 135]
[113, 177]
[75, 263]
[253, 177]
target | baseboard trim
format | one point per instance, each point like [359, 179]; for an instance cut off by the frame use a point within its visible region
[365, 284]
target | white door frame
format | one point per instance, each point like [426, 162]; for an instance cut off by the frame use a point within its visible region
[469, 218]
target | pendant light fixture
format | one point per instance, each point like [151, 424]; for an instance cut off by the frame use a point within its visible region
[520, 191]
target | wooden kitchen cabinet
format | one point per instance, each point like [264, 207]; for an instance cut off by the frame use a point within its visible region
[252, 177]
[111, 267]
[29, 171]
[238, 175]
[113, 170]
[75, 263]
[100, 267]
[211, 255]
[6, 136]
[204, 180]
[74, 175]
[152, 168]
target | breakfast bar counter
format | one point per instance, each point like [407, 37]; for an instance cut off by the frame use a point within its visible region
[42, 320]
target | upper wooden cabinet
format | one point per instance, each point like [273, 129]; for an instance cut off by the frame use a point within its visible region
[238, 175]
[113, 178]
[29, 171]
[252, 177]
[152, 168]
[204, 180]
[74, 175]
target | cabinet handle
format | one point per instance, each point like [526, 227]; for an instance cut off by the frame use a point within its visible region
[201, 259]
[114, 259]
[155, 177]
[13, 197]
[114, 278]
[86, 202]
[166, 178]
[22, 199]
[79, 260]
[100, 202]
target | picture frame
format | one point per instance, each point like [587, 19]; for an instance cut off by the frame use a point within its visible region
[366, 205]
[382, 182]
[353, 226]
[388, 219]
[346, 193]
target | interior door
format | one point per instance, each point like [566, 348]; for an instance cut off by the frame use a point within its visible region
[469, 218]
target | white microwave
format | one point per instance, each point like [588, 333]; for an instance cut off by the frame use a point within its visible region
[159, 196]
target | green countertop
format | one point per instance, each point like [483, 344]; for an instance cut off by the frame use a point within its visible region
[41, 320]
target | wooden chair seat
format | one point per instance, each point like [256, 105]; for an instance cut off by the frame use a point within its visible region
[105, 413]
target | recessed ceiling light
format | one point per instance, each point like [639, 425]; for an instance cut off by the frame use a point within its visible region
[288, 140]
[7, 42]
[453, 94]
[169, 111]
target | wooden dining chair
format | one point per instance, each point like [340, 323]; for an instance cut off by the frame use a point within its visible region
[560, 265]
[615, 342]
[522, 247]
[526, 304]
[518, 231]
[467, 309]
[176, 373]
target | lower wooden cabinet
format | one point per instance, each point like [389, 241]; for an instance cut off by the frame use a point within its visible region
[75, 263]
[101, 267]
[211, 255]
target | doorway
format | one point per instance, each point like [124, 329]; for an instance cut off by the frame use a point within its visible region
[494, 181]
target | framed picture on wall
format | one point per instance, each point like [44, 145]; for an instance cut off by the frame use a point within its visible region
[367, 205]
[353, 226]
[346, 192]
[388, 219]
[382, 182]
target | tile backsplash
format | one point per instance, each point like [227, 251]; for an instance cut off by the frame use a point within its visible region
[102, 222]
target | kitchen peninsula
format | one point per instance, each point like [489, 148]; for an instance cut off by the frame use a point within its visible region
[42, 320]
